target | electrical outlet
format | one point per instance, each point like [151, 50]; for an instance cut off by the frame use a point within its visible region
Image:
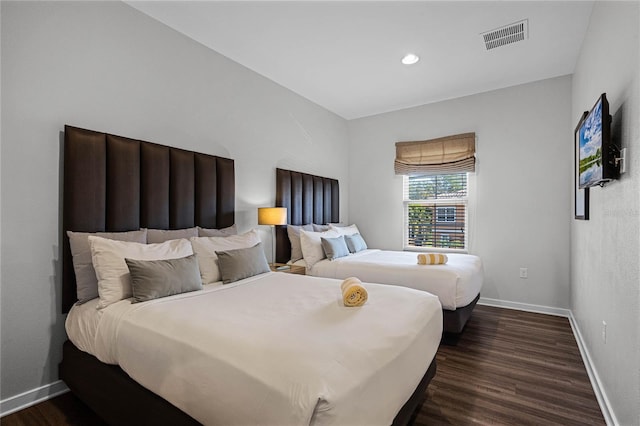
[604, 332]
[524, 273]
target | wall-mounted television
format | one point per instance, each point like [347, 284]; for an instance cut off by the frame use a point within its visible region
[597, 153]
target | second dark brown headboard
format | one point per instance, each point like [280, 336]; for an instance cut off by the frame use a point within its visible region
[308, 199]
[114, 184]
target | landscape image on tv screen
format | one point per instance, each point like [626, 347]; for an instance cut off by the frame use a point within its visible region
[591, 147]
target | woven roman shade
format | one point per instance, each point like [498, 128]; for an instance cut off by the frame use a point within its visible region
[451, 154]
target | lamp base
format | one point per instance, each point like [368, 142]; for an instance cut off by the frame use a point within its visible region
[273, 245]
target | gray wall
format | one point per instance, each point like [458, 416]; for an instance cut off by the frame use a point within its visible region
[107, 67]
[605, 255]
[520, 218]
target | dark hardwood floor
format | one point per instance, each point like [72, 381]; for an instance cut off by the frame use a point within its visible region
[511, 368]
[507, 368]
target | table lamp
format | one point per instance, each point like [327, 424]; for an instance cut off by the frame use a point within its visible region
[272, 216]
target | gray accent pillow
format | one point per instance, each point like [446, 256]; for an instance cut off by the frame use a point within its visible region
[86, 281]
[334, 247]
[320, 228]
[355, 243]
[242, 263]
[152, 279]
[224, 232]
[293, 231]
[155, 236]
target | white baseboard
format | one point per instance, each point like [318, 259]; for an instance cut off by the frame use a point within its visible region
[32, 397]
[596, 384]
[559, 312]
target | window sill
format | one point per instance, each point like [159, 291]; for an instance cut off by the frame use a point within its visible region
[435, 250]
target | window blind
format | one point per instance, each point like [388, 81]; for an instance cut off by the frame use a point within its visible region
[450, 154]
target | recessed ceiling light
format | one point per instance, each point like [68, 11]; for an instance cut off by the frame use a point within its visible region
[410, 59]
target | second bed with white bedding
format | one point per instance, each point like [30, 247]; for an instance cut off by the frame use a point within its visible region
[456, 283]
[272, 349]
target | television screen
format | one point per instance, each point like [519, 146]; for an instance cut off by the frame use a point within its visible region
[595, 147]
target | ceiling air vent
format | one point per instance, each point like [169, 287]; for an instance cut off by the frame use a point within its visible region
[508, 34]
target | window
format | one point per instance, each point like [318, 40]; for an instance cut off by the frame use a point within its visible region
[436, 211]
[435, 198]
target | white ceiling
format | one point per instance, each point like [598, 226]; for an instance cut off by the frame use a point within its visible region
[345, 55]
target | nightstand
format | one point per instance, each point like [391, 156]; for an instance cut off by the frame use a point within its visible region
[289, 269]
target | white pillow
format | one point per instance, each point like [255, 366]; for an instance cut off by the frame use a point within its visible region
[293, 232]
[311, 244]
[205, 249]
[86, 281]
[114, 281]
[345, 230]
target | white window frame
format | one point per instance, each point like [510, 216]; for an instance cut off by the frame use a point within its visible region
[462, 201]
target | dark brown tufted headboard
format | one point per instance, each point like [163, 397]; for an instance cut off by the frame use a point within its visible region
[113, 184]
[308, 199]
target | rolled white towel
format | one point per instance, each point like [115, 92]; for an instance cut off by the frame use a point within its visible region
[353, 293]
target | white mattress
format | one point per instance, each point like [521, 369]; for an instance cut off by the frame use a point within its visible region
[456, 283]
[273, 349]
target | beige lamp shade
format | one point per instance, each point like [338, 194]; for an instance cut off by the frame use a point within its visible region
[272, 216]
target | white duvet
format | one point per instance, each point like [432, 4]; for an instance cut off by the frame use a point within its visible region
[276, 349]
[456, 283]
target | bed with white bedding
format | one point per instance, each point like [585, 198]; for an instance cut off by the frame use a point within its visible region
[270, 349]
[456, 283]
[293, 352]
[313, 211]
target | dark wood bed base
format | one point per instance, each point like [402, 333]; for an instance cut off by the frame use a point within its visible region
[454, 321]
[113, 395]
[112, 183]
[315, 199]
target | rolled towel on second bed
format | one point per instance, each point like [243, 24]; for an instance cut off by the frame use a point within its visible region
[353, 293]
[432, 259]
